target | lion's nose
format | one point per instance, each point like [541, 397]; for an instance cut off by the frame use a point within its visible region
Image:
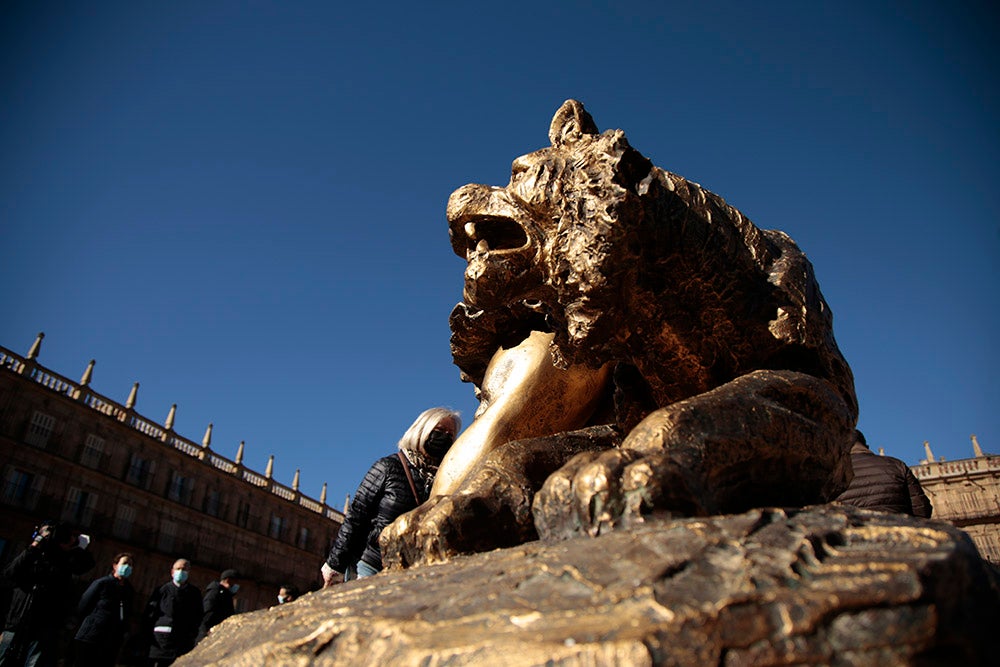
[470, 200]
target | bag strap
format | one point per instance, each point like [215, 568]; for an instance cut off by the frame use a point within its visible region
[409, 476]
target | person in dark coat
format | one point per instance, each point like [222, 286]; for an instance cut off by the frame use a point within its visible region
[173, 615]
[105, 608]
[217, 605]
[883, 483]
[43, 596]
[386, 492]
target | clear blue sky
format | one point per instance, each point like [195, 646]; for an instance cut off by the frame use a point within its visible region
[240, 205]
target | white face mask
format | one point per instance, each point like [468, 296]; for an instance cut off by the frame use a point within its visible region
[281, 599]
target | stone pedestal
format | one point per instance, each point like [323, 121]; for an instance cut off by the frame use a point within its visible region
[822, 585]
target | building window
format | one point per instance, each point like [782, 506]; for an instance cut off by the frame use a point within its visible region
[277, 528]
[243, 515]
[140, 471]
[180, 488]
[40, 429]
[124, 519]
[21, 488]
[93, 450]
[168, 535]
[303, 539]
[79, 506]
[210, 505]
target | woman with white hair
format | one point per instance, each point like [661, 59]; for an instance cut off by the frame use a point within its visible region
[393, 486]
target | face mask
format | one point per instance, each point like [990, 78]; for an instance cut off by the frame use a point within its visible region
[124, 571]
[437, 444]
[281, 599]
[234, 588]
[180, 576]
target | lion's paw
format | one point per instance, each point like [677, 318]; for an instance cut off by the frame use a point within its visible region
[419, 536]
[490, 511]
[595, 493]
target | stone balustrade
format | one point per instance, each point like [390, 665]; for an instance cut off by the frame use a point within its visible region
[80, 391]
[938, 469]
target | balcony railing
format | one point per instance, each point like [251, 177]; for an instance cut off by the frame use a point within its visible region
[961, 467]
[13, 362]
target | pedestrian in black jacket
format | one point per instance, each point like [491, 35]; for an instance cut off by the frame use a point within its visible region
[217, 605]
[173, 615]
[883, 483]
[42, 576]
[105, 608]
[393, 486]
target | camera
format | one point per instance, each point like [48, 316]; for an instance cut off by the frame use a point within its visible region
[61, 534]
[42, 533]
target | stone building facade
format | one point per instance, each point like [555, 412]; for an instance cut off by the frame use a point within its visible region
[68, 453]
[966, 494]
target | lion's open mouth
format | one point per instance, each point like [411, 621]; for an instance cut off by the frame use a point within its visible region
[493, 234]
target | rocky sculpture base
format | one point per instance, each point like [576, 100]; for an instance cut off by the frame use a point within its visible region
[828, 584]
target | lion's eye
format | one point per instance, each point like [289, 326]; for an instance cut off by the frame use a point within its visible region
[520, 165]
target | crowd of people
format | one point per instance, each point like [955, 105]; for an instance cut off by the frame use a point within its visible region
[177, 615]
[175, 618]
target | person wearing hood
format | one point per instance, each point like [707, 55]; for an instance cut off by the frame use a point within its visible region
[218, 601]
[105, 608]
[394, 485]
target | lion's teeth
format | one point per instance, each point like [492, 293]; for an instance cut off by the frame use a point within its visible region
[482, 246]
[470, 230]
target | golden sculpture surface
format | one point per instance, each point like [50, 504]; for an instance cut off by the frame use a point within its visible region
[602, 290]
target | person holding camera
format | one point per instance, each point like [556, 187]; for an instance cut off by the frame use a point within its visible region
[42, 577]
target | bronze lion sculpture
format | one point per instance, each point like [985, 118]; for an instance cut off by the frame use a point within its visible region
[638, 346]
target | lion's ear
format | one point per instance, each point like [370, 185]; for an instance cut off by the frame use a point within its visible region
[570, 123]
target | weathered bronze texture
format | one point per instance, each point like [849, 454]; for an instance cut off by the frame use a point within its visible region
[828, 585]
[601, 283]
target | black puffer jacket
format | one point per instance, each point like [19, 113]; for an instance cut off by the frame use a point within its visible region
[384, 494]
[884, 483]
